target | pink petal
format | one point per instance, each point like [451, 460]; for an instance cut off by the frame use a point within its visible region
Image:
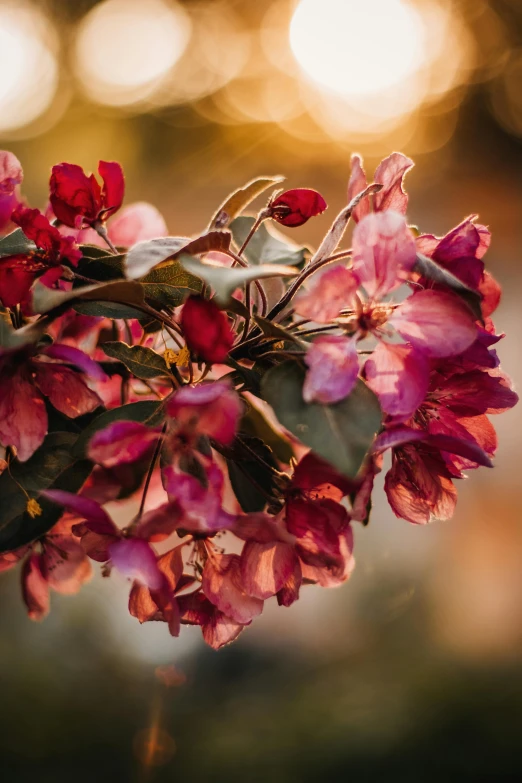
[160, 523]
[113, 186]
[329, 292]
[11, 173]
[212, 408]
[266, 568]
[23, 418]
[218, 629]
[85, 508]
[333, 367]
[66, 564]
[80, 359]
[121, 442]
[399, 376]
[390, 173]
[435, 322]
[356, 184]
[136, 223]
[223, 587]
[66, 389]
[134, 559]
[35, 588]
[289, 592]
[383, 251]
[317, 526]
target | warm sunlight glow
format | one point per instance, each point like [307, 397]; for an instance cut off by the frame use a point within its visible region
[125, 47]
[28, 68]
[356, 48]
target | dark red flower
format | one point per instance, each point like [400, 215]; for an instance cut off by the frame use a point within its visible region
[294, 207]
[78, 201]
[18, 272]
[206, 329]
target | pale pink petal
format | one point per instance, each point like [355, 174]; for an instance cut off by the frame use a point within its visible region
[222, 585]
[399, 376]
[35, 588]
[11, 173]
[356, 184]
[66, 389]
[121, 442]
[383, 252]
[134, 559]
[390, 174]
[328, 293]
[266, 568]
[333, 367]
[435, 322]
[23, 418]
[136, 223]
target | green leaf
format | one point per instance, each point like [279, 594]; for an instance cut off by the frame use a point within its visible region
[224, 280]
[146, 411]
[234, 204]
[52, 465]
[144, 256]
[119, 292]
[341, 433]
[103, 268]
[267, 246]
[169, 285]
[142, 362]
[254, 423]
[13, 339]
[15, 243]
[428, 268]
[252, 479]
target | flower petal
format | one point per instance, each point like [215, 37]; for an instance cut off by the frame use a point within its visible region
[266, 568]
[66, 389]
[121, 442]
[35, 588]
[399, 376]
[329, 292]
[390, 173]
[333, 367]
[135, 560]
[222, 585]
[23, 418]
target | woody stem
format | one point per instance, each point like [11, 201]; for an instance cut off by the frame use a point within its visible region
[102, 232]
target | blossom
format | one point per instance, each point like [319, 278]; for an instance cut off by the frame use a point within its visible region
[18, 272]
[55, 562]
[333, 369]
[390, 174]
[207, 329]
[331, 290]
[294, 207]
[79, 201]
[134, 223]
[27, 377]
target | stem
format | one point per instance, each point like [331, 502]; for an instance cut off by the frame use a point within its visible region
[150, 471]
[102, 232]
[263, 215]
[260, 289]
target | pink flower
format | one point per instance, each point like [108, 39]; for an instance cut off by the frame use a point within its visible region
[79, 201]
[212, 409]
[390, 174]
[11, 176]
[55, 562]
[17, 273]
[331, 290]
[333, 367]
[295, 207]
[26, 377]
[134, 223]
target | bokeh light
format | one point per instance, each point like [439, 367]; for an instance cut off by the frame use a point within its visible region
[28, 65]
[356, 48]
[124, 48]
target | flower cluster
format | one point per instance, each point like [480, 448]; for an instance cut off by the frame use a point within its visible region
[237, 389]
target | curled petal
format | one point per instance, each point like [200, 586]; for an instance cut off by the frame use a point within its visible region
[399, 376]
[134, 559]
[207, 329]
[329, 292]
[436, 323]
[266, 568]
[85, 508]
[35, 588]
[218, 629]
[356, 184]
[383, 252]
[80, 359]
[113, 187]
[390, 174]
[333, 367]
[419, 487]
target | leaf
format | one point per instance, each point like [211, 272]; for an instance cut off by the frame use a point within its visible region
[52, 465]
[14, 339]
[95, 251]
[169, 285]
[142, 362]
[271, 329]
[119, 292]
[241, 198]
[144, 256]
[103, 268]
[338, 227]
[341, 433]
[145, 411]
[255, 423]
[15, 243]
[429, 269]
[267, 246]
[252, 480]
[224, 280]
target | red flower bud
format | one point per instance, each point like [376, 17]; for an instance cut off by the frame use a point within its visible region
[206, 329]
[78, 201]
[294, 207]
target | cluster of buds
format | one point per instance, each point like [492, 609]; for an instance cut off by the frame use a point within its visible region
[242, 389]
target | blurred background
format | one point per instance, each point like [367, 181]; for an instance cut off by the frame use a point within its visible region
[413, 670]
